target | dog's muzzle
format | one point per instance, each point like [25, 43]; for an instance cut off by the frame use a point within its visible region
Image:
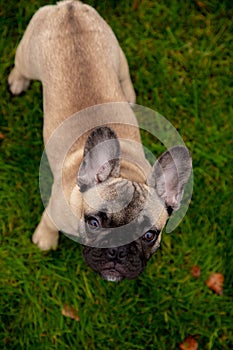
[115, 264]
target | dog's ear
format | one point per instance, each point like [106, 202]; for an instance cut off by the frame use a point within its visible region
[101, 158]
[170, 174]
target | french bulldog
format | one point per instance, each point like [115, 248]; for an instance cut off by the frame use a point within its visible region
[104, 193]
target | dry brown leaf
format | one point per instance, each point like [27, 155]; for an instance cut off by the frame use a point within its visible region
[201, 4]
[196, 271]
[189, 344]
[2, 136]
[215, 282]
[135, 5]
[69, 311]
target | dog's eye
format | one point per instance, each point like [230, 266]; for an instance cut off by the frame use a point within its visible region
[150, 236]
[93, 223]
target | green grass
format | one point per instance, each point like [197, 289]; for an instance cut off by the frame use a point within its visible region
[180, 57]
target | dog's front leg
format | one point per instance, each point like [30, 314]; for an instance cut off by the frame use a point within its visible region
[46, 234]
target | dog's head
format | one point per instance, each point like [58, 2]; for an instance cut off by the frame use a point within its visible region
[122, 219]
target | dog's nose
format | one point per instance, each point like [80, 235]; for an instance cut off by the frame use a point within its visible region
[119, 253]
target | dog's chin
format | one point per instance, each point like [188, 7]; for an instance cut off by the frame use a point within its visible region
[112, 275]
[118, 273]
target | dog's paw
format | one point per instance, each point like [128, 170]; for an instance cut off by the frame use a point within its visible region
[17, 82]
[45, 240]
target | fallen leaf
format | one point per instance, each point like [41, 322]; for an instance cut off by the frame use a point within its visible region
[2, 136]
[135, 5]
[201, 4]
[69, 311]
[196, 271]
[189, 344]
[215, 282]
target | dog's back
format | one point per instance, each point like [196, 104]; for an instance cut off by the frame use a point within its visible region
[75, 54]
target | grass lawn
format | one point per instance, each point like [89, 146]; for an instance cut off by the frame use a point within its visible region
[180, 57]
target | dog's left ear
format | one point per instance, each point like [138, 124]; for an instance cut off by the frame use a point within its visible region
[101, 158]
[170, 174]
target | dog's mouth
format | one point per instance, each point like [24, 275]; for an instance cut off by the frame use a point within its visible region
[112, 275]
[116, 269]
[118, 272]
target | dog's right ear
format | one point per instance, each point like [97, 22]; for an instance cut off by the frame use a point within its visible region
[101, 158]
[170, 174]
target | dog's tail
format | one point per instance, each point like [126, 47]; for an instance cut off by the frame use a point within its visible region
[67, 2]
